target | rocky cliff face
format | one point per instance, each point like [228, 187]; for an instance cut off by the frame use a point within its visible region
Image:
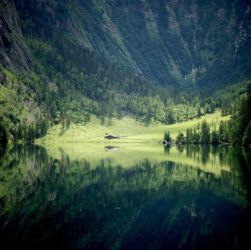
[201, 42]
[13, 50]
[177, 42]
[170, 41]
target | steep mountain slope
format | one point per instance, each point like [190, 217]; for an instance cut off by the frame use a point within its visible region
[204, 42]
[18, 83]
[156, 60]
[172, 42]
[13, 50]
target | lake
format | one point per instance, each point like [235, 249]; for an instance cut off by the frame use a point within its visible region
[122, 196]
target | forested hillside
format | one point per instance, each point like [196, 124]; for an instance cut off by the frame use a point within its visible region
[166, 61]
[172, 42]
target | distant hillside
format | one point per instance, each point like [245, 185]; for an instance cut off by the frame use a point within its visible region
[172, 42]
[63, 60]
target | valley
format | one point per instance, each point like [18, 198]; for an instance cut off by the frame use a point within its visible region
[125, 124]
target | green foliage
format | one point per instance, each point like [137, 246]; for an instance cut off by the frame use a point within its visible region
[3, 136]
[196, 138]
[215, 138]
[200, 134]
[224, 130]
[229, 96]
[205, 133]
[133, 130]
[239, 123]
[75, 72]
[81, 69]
[180, 139]
[189, 135]
[246, 140]
[237, 131]
[30, 132]
[167, 137]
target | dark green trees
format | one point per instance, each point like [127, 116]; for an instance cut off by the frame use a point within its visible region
[30, 132]
[3, 136]
[180, 139]
[215, 138]
[246, 140]
[205, 133]
[237, 131]
[201, 134]
[198, 135]
[223, 132]
[167, 137]
[240, 121]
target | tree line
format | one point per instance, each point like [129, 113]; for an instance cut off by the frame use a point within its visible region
[236, 131]
[28, 133]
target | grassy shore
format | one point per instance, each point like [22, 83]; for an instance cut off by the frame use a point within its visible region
[130, 130]
[138, 142]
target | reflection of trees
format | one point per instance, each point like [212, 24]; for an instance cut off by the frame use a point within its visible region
[72, 203]
[243, 158]
[205, 154]
[180, 148]
[167, 149]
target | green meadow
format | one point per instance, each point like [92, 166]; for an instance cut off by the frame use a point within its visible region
[137, 142]
[129, 129]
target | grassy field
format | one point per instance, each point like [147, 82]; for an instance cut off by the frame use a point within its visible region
[138, 142]
[129, 129]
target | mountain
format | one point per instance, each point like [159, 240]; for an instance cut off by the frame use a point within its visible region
[14, 52]
[171, 42]
[156, 60]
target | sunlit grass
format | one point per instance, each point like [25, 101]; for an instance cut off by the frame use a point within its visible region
[130, 130]
[138, 142]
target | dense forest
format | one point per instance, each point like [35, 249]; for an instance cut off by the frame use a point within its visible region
[64, 61]
[236, 131]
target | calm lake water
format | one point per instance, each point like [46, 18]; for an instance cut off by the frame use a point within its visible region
[125, 197]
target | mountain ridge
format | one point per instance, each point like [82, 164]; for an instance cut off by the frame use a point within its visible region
[169, 42]
[160, 60]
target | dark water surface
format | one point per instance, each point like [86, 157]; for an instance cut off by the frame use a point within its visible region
[187, 198]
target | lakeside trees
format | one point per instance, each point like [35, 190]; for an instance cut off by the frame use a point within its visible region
[167, 137]
[236, 131]
[29, 133]
[240, 122]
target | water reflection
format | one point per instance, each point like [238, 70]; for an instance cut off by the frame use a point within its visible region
[185, 198]
[111, 148]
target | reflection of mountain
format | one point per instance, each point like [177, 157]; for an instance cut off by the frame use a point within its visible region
[44, 200]
[200, 220]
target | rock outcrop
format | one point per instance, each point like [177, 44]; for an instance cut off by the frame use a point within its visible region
[14, 53]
